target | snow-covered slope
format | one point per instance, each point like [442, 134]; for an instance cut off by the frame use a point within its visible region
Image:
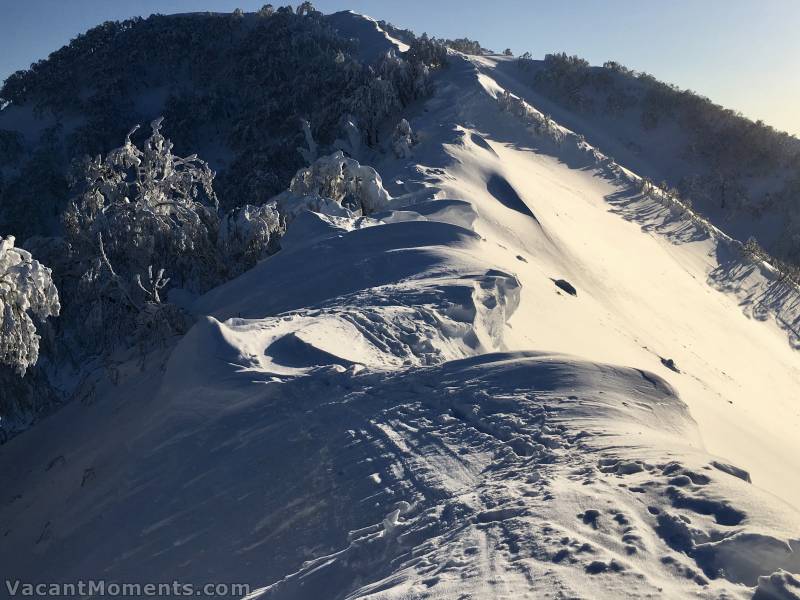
[644, 297]
[685, 145]
[414, 405]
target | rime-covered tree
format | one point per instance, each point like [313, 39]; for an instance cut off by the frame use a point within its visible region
[248, 234]
[305, 8]
[428, 51]
[465, 45]
[266, 11]
[334, 184]
[150, 207]
[403, 139]
[144, 219]
[373, 102]
[410, 78]
[27, 292]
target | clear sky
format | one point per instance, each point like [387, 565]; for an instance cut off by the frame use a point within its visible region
[743, 54]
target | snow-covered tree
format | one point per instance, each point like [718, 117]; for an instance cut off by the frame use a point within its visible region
[428, 51]
[249, 233]
[150, 208]
[403, 139]
[410, 78]
[334, 184]
[305, 8]
[374, 101]
[465, 45]
[144, 219]
[542, 124]
[352, 144]
[26, 292]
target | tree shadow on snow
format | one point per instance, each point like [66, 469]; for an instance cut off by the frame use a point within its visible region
[654, 217]
[760, 292]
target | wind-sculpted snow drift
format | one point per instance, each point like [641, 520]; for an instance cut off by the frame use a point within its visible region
[400, 403]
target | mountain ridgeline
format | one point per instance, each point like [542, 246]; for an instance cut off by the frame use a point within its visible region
[743, 175]
[308, 306]
[259, 96]
[233, 88]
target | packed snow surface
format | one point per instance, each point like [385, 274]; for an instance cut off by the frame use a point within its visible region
[521, 378]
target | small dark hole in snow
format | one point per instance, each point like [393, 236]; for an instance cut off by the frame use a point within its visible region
[734, 471]
[566, 286]
[561, 555]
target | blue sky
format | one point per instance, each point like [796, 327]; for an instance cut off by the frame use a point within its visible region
[741, 53]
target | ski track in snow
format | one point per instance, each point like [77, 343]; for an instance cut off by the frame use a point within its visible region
[469, 396]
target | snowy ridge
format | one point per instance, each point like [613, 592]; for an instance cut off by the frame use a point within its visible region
[514, 382]
[758, 284]
[618, 275]
[372, 40]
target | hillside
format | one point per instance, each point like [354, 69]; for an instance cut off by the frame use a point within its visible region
[522, 374]
[233, 89]
[741, 174]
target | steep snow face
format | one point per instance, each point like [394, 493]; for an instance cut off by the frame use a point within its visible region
[518, 380]
[641, 300]
[653, 286]
[666, 148]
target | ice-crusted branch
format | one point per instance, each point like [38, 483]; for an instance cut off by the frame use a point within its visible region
[116, 279]
[156, 283]
[310, 152]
